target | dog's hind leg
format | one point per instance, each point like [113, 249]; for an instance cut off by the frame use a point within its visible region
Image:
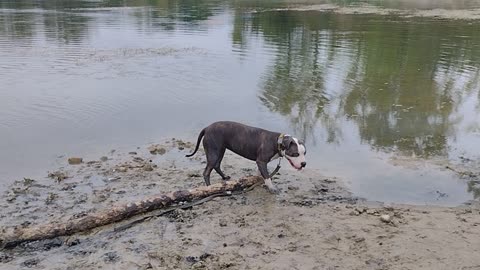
[206, 174]
[214, 154]
[217, 165]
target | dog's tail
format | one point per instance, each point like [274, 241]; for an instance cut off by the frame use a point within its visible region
[198, 143]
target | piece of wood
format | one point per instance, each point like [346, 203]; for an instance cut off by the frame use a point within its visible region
[121, 212]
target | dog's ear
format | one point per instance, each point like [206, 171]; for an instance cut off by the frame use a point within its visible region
[286, 142]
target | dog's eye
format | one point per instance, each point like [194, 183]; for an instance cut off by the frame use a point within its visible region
[295, 155]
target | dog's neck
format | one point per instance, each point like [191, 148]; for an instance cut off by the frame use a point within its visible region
[280, 148]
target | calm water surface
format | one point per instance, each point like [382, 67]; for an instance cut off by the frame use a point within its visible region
[377, 98]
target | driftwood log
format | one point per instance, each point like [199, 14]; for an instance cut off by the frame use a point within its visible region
[121, 212]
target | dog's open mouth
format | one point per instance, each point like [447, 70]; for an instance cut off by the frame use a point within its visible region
[293, 165]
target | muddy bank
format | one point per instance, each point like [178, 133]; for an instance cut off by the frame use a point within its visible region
[314, 223]
[439, 13]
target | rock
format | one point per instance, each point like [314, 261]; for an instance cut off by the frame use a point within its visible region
[194, 175]
[156, 149]
[122, 169]
[386, 218]
[148, 168]
[73, 242]
[104, 158]
[223, 222]
[75, 160]
[132, 153]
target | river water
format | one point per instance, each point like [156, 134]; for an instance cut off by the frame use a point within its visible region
[382, 92]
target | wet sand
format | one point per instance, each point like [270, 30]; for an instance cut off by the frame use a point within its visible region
[314, 223]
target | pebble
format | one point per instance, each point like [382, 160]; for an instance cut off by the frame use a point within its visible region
[386, 218]
[223, 223]
[148, 168]
[121, 169]
[75, 160]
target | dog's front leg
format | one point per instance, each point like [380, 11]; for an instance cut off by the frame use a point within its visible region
[262, 167]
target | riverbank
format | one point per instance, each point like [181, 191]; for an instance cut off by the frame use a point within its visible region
[314, 223]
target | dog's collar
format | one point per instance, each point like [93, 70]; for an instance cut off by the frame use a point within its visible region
[281, 150]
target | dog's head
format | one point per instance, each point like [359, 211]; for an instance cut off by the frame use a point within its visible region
[294, 151]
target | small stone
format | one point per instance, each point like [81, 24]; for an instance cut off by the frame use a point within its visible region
[104, 158]
[132, 153]
[386, 218]
[75, 161]
[122, 169]
[73, 242]
[223, 223]
[156, 149]
[148, 168]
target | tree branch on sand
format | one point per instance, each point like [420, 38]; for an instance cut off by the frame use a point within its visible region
[121, 212]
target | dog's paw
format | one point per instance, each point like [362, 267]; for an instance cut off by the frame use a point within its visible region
[273, 190]
[226, 178]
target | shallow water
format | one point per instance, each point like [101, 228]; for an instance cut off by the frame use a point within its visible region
[381, 100]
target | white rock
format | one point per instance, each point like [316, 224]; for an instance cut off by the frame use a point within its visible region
[386, 218]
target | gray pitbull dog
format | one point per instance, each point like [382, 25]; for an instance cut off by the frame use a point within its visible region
[259, 145]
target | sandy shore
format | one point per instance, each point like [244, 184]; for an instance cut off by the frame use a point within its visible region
[314, 223]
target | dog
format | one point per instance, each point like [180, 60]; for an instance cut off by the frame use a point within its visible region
[256, 144]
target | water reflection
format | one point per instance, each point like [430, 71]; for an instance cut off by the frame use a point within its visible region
[396, 85]
[401, 82]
